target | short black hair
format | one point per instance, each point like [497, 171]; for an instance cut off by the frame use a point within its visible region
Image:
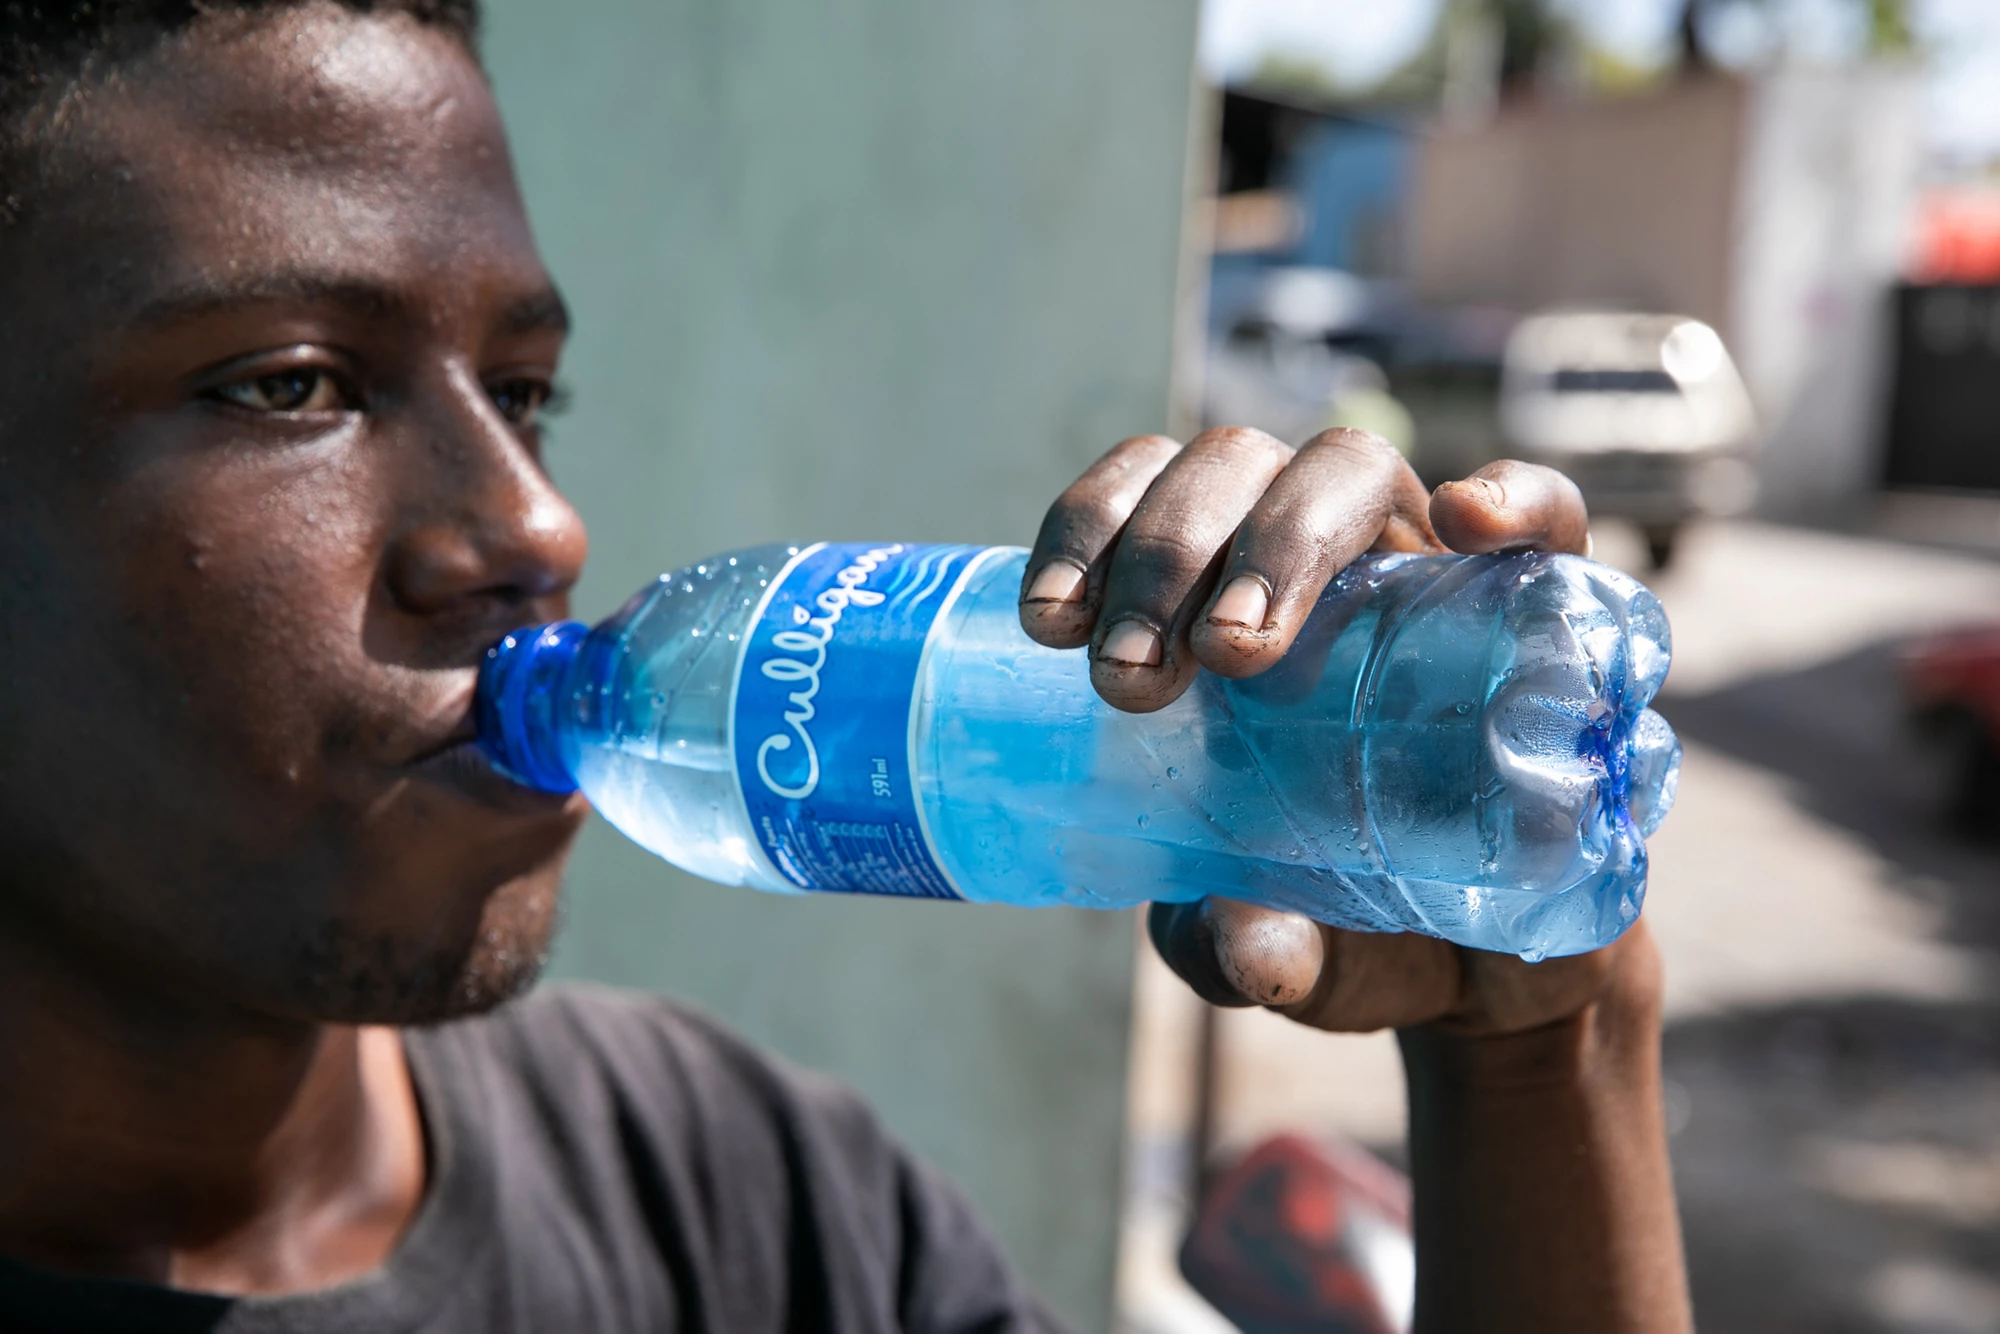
[49, 47]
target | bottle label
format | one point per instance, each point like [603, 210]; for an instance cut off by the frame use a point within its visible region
[824, 714]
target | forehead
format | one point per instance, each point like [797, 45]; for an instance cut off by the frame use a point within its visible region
[359, 146]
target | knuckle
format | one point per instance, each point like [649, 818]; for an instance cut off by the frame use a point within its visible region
[1249, 445]
[1081, 523]
[1243, 446]
[1142, 454]
[1096, 517]
[1284, 519]
[1137, 448]
[1363, 447]
[1170, 550]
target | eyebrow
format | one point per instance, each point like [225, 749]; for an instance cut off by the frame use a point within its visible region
[195, 300]
[544, 310]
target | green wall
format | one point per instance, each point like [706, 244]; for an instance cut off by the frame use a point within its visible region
[862, 268]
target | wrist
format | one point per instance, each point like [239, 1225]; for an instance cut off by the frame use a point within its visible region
[1543, 1194]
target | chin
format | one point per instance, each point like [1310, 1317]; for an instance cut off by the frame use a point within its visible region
[351, 976]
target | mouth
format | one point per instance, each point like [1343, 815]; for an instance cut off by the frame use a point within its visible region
[458, 762]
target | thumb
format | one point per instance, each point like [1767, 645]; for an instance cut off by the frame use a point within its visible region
[1238, 954]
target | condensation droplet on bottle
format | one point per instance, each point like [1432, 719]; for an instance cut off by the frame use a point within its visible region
[1172, 772]
[1145, 820]
[1462, 708]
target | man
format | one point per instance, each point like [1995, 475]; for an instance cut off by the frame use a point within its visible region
[273, 342]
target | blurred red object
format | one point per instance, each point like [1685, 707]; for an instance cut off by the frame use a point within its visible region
[1305, 1236]
[1953, 685]
[1958, 237]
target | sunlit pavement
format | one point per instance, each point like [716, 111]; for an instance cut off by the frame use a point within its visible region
[1833, 1050]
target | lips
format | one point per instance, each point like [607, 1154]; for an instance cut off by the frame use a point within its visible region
[457, 762]
[457, 725]
[466, 770]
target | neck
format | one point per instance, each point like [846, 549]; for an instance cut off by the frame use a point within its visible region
[154, 1133]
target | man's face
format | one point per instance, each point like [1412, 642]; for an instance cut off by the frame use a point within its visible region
[273, 334]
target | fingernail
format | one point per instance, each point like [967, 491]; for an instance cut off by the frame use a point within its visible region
[1058, 581]
[1131, 644]
[1242, 602]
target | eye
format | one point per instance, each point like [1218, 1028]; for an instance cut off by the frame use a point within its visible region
[524, 400]
[298, 390]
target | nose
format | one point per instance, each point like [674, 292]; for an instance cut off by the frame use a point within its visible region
[487, 531]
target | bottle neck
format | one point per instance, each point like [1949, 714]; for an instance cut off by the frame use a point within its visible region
[521, 692]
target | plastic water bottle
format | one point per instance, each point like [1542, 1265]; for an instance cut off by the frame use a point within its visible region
[1455, 745]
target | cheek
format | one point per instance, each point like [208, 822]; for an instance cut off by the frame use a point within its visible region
[246, 589]
[188, 642]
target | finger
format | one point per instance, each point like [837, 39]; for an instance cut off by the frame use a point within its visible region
[1065, 576]
[1345, 492]
[1237, 953]
[1373, 981]
[1509, 995]
[1161, 570]
[1509, 504]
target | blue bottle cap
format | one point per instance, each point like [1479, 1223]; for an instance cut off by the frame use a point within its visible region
[520, 690]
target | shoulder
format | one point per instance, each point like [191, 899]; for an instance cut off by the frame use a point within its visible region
[780, 1178]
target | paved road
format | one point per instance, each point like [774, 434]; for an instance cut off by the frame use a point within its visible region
[1833, 959]
[1834, 1054]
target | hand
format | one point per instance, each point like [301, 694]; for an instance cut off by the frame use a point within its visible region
[1167, 559]
[1537, 1143]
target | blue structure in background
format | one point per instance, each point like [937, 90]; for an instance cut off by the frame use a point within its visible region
[1350, 177]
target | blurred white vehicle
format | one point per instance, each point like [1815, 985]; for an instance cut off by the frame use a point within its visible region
[1646, 412]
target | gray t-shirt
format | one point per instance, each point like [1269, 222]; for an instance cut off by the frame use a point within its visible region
[602, 1161]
